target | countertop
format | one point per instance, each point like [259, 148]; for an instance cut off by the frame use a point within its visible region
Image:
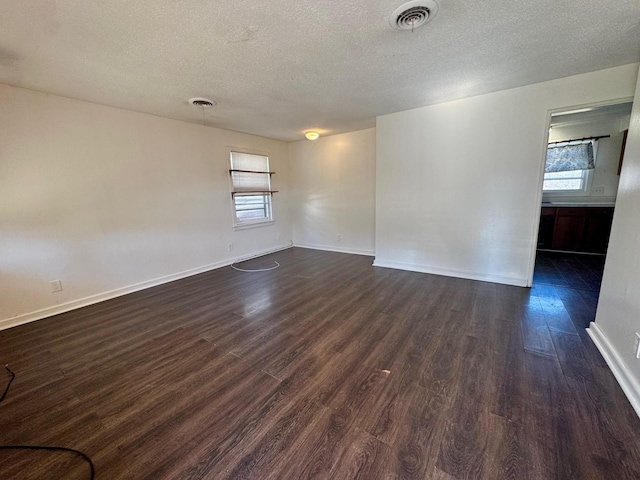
[578, 204]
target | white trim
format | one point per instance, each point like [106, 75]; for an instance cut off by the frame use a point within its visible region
[326, 248]
[630, 386]
[118, 292]
[483, 277]
[248, 225]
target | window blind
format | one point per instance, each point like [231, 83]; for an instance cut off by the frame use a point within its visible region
[246, 181]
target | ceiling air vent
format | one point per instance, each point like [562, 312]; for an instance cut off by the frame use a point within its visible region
[412, 15]
[202, 102]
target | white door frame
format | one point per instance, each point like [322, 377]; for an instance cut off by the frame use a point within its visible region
[536, 220]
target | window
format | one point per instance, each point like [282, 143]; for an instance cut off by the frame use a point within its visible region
[572, 180]
[251, 188]
[568, 164]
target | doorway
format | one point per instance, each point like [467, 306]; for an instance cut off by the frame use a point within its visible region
[580, 185]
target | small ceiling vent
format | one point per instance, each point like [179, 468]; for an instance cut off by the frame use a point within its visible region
[202, 102]
[414, 14]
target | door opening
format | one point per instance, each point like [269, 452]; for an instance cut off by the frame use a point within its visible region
[580, 185]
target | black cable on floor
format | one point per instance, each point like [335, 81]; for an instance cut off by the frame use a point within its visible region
[37, 447]
[6, 390]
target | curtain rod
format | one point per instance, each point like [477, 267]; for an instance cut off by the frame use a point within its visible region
[580, 139]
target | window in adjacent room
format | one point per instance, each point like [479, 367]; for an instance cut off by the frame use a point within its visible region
[567, 166]
[572, 180]
[251, 189]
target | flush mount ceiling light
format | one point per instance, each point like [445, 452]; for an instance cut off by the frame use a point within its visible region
[312, 135]
[414, 14]
[202, 102]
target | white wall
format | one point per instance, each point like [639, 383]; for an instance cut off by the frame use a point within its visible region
[103, 199]
[333, 192]
[459, 184]
[618, 316]
[605, 173]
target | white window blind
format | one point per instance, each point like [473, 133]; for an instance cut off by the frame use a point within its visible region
[251, 188]
[247, 180]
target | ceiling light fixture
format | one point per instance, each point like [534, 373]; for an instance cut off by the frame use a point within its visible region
[312, 135]
[414, 14]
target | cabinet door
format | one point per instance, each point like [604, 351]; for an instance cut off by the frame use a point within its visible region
[597, 230]
[569, 232]
[547, 224]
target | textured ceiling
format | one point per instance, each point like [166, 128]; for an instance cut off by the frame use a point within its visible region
[277, 68]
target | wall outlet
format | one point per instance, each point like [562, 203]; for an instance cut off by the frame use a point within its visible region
[637, 345]
[598, 190]
[230, 247]
[278, 237]
[339, 237]
[56, 286]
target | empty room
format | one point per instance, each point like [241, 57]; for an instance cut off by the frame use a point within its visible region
[320, 239]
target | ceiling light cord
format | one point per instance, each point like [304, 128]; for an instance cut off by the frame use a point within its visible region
[202, 103]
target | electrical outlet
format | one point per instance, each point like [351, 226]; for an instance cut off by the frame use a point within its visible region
[637, 345]
[230, 247]
[56, 286]
[598, 190]
[339, 237]
[278, 237]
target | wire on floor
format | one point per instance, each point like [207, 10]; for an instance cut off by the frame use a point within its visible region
[256, 269]
[38, 447]
[13, 375]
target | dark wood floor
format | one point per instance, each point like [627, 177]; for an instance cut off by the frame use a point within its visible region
[324, 368]
[572, 270]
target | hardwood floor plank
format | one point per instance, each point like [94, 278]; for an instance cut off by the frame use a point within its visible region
[535, 331]
[419, 437]
[366, 458]
[554, 310]
[267, 452]
[509, 449]
[461, 453]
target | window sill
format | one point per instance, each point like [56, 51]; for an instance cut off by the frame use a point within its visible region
[577, 191]
[246, 226]
[564, 193]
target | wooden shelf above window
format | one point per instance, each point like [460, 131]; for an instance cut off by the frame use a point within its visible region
[254, 192]
[252, 171]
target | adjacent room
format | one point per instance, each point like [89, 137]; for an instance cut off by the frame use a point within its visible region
[582, 173]
[333, 240]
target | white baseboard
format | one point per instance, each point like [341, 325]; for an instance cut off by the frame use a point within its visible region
[118, 292]
[507, 280]
[630, 386]
[353, 251]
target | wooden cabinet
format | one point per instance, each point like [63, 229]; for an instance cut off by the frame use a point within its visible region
[575, 229]
[569, 232]
[547, 224]
[597, 230]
